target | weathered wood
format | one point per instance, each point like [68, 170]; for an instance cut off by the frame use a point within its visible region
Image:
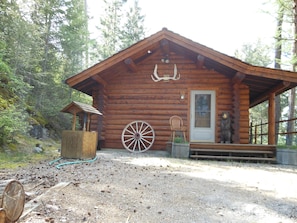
[2, 215]
[73, 122]
[164, 44]
[234, 151]
[79, 144]
[13, 201]
[233, 158]
[99, 80]
[200, 62]
[238, 78]
[36, 202]
[131, 65]
[275, 90]
[271, 119]
[251, 152]
[236, 112]
[232, 146]
[156, 102]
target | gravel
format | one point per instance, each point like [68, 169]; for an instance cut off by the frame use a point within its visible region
[120, 186]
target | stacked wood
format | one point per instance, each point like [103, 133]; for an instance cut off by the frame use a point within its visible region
[133, 95]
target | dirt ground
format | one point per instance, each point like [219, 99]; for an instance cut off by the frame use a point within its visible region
[151, 187]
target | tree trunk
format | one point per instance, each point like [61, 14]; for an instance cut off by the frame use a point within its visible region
[290, 125]
[277, 59]
[292, 93]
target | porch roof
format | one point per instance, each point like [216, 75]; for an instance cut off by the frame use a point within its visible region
[261, 81]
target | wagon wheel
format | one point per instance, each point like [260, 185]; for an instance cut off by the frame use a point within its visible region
[13, 200]
[138, 136]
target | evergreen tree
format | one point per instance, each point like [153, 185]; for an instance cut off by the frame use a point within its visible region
[257, 54]
[110, 28]
[133, 30]
[118, 31]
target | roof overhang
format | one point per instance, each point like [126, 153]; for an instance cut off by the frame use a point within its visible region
[260, 80]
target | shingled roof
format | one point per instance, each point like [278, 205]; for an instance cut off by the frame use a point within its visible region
[78, 107]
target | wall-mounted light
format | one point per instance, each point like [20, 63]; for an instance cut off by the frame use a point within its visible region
[165, 59]
[182, 95]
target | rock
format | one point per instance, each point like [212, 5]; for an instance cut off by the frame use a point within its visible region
[38, 149]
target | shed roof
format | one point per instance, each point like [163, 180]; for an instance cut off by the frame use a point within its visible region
[78, 107]
[261, 80]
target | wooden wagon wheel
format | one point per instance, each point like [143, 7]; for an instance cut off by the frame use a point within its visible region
[13, 200]
[138, 136]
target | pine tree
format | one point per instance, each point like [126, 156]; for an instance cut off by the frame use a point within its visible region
[133, 30]
[110, 28]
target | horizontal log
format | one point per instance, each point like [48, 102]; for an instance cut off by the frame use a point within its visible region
[137, 97]
[147, 107]
[119, 145]
[151, 112]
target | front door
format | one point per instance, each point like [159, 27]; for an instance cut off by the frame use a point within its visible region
[202, 116]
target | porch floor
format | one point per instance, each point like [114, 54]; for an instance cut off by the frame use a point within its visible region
[222, 151]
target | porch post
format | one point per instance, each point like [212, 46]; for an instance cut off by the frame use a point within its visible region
[271, 119]
[237, 80]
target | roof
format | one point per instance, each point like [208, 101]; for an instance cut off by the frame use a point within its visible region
[78, 107]
[261, 80]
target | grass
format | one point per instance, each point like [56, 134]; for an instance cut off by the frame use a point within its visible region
[287, 147]
[21, 153]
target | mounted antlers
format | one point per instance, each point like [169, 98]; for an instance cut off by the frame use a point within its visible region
[166, 77]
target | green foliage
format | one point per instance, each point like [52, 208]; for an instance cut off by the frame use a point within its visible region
[110, 28]
[13, 121]
[133, 30]
[44, 42]
[119, 31]
[258, 54]
[21, 153]
[179, 139]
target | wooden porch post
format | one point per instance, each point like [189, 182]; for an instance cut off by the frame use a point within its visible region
[236, 113]
[237, 79]
[271, 119]
[73, 121]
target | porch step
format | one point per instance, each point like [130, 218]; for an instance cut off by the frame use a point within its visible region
[234, 151]
[245, 152]
[232, 158]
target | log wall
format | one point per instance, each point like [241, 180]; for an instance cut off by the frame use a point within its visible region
[131, 96]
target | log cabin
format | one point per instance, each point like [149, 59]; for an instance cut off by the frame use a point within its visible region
[167, 74]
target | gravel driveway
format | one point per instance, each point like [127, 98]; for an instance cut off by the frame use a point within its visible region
[151, 187]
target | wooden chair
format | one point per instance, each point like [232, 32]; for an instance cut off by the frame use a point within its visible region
[176, 124]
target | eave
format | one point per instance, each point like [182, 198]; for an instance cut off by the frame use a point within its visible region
[260, 80]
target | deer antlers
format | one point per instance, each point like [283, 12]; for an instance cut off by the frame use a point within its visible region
[166, 77]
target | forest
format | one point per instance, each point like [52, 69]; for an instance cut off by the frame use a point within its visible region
[43, 42]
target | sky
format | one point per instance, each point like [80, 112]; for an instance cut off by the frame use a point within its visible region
[224, 25]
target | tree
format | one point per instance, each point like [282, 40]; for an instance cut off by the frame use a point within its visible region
[110, 28]
[257, 54]
[45, 42]
[133, 30]
[13, 118]
[292, 93]
[277, 64]
[118, 33]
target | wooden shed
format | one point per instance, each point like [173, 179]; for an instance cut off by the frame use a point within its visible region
[167, 74]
